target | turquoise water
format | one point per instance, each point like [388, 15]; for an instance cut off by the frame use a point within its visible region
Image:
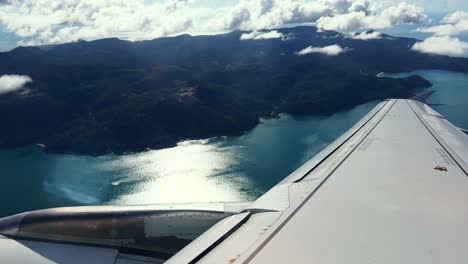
[217, 169]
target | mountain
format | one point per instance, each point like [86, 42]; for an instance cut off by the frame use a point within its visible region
[112, 95]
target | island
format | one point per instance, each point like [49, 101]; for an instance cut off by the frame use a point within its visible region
[116, 96]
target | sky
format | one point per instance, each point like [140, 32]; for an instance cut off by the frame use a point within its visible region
[442, 23]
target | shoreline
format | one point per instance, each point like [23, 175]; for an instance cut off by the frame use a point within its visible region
[46, 150]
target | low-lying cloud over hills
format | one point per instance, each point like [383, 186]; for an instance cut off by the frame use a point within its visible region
[331, 50]
[365, 35]
[442, 45]
[12, 82]
[256, 35]
[444, 40]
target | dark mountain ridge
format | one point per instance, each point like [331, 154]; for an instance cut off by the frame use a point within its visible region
[111, 95]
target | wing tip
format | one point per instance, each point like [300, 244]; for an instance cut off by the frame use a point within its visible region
[423, 96]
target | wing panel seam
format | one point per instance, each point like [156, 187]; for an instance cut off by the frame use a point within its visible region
[220, 240]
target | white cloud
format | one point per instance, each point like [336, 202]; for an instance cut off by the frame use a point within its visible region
[367, 35]
[9, 83]
[54, 21]
[442, 45]
[442, 42]
[456, 17]
[58, 21]
[343, 22]
[454, 24]
[258, 14]
[403, 13]
[331, 50]
[441, 30]
[256, 35]
[340, 15]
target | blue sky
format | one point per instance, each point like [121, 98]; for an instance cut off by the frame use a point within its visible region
[37, 22]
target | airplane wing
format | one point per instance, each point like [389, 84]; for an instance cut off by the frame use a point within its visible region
[392, 189]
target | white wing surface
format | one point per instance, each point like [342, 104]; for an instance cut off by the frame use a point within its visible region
[393, 189]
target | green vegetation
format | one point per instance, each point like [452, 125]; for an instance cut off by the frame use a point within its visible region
[116, 96]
